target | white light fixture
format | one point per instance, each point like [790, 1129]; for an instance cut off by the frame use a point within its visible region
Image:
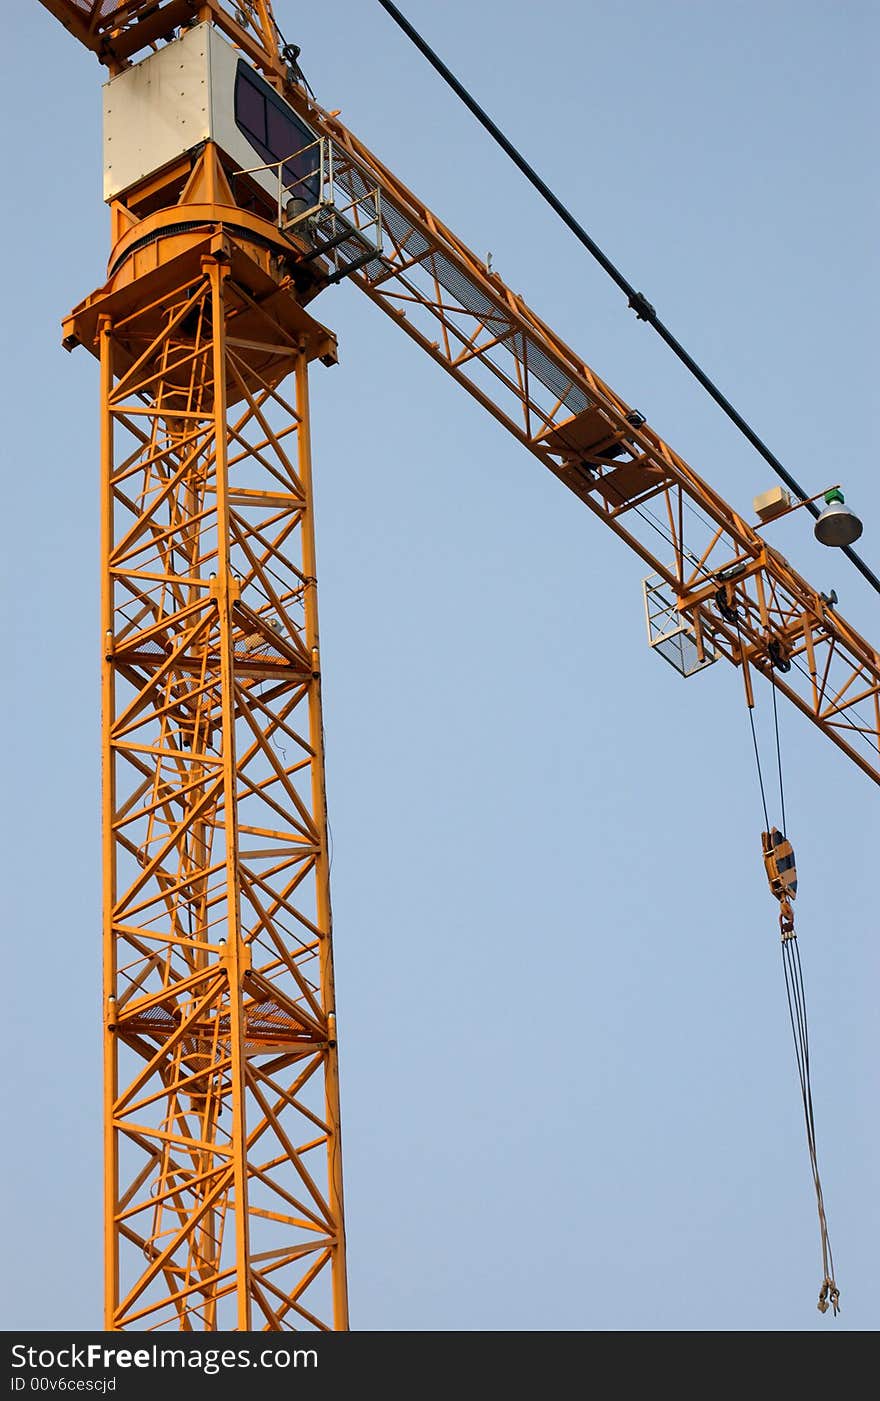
[837, 525]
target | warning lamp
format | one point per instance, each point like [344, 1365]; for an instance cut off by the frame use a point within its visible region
[837, 525]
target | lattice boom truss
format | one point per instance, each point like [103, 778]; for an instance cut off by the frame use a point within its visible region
[741, 599]
[224, 1158]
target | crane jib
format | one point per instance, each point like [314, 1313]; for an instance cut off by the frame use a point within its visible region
[465, 317]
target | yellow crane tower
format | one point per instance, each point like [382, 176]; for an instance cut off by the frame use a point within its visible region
[235, 201]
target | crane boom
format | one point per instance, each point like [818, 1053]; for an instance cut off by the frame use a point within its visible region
[718, 590]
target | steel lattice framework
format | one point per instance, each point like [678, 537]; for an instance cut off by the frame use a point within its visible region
[223, 1199]
[730, 592]
[224, 1184]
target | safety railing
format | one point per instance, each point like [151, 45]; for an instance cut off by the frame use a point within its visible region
[312, 205]
[672, 633]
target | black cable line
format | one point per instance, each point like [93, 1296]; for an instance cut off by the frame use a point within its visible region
[801, 974]
[758, 762]
[651, 520]
[801, 1046]
[645, 515]
[805, 1045]
[794, 1026]
[797, 1006]
[751, 710]
[779, 761]
[794, 986]
[290, 53]
[637, 300]
[796, 998]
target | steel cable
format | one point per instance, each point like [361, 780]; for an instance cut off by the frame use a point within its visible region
[636, 300]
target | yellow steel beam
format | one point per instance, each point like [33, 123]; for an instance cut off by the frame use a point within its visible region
[119, 33]
[488, 339]
[220, 1029]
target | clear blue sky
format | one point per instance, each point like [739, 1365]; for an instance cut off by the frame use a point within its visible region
[569, 1090]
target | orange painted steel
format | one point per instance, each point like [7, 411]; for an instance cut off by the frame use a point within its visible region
[740, 598]
[119, 31]
[489, 340]
[224, 1202]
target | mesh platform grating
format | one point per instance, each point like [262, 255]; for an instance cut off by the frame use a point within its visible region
[470, 297]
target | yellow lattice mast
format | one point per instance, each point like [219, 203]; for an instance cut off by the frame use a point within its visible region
[223, 1197]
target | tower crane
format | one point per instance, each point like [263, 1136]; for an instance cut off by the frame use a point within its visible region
[236, 200]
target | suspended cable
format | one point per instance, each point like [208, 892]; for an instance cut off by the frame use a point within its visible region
[751, 710]
[290, 53]
[637, 300]
[829, 1294]
[779, 760]
[781, 872]
[758, 762]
